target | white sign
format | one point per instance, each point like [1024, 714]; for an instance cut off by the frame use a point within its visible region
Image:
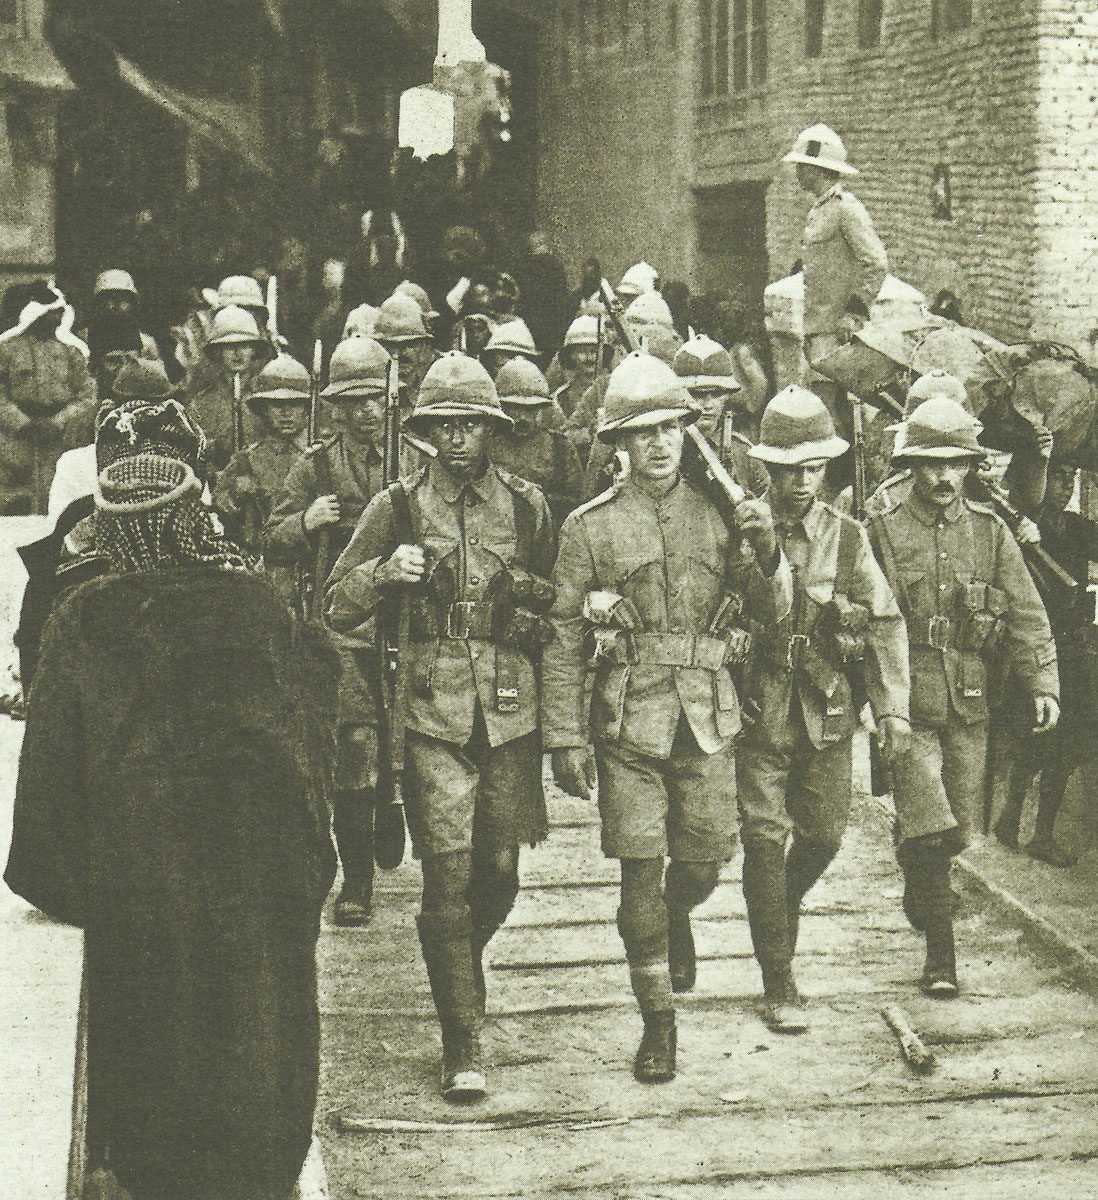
[426, 122]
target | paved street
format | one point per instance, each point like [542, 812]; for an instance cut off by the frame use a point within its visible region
[1009, 1112]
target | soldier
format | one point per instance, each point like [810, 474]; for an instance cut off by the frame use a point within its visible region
[652, 578]
[508, 340]
[235, 347]
[705, 368]
[401, 330]
[252, 481]
[843, 641]
[577, 358]
[967, 598]
[541, 456]
[322, 499]
[844, 261]
[640, 278]
[470, 545]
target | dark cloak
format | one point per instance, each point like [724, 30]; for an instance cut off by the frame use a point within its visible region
[173, 801]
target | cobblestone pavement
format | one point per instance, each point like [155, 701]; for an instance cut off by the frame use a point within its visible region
[1009, 1112]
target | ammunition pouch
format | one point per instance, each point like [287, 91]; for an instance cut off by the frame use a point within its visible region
[526, 631]
[843, 627]
[983, 615]
[528, 591]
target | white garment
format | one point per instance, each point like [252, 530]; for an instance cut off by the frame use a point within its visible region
[74, 477]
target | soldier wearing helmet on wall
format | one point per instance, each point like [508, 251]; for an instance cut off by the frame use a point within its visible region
[470, 547]
[844, 261]
[653, 586]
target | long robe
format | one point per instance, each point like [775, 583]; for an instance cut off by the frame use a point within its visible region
[173, 801]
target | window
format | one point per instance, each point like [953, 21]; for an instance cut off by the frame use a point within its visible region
[813, 28]
[949, 16]
[732, 45]
[869, 23]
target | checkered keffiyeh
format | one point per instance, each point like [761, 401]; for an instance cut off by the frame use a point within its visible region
[150, 517]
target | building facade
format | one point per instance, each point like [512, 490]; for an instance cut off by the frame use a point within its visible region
[33, 85]
[972, 123]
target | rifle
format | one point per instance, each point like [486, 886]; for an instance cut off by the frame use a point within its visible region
[309, 583]
[238, 415]
[272, 315]
[393, 630]
[858, 421]
[1039, 556]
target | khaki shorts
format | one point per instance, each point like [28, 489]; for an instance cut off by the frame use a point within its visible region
[456, 797]
[787, 786]
[684, 805]
[939, 782]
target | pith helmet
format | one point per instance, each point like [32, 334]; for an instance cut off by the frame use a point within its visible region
[359, 367]
[241, 290]
[796, 428]
[141, 379]
[520, 382]
[935, 384]
[641, 277]
[584, 331]
[407, 288]
[821, 146]
[456, 386]
[399, 320]
[361, 322]
[659, 341]
[115, 281]
[233, 326]
[650, 308]
[513, 337]
[705, 365]
[282, 381]
[938, 428]
[643, 391]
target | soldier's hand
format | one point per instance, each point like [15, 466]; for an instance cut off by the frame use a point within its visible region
[405, 566]
[324, 510]
[756, 522]
[574, 772]
[1027, 533]
[1048, 713]
[893, 738]
[1044, 441]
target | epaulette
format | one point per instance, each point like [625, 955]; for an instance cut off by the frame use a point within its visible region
[596, 502]
[980, 506]
[560, 391]
[889, 496]
[413, 479]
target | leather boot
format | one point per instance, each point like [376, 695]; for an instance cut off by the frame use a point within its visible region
[655, 1060]
[804, 864]
[446, 939]
[352, 824]
[940, 972]
[491, 898]
[764, 889]
[681, 957]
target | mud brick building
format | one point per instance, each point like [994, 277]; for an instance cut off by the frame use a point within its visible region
[662, 126]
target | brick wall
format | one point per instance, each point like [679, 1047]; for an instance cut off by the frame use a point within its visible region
[1008, 105]
[614, 137]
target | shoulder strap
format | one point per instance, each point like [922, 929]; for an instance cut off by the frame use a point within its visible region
[849, 540]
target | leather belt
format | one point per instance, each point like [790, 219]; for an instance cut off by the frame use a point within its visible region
[679, 650]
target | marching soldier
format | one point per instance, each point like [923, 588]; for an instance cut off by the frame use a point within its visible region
[541, 456]
[470, 546]
[652, 587]
[577, 358]
[845, 262]
[235, 347]
[323, 497]
[247, 489]
[967, 598]
[115, 296]
[705, 368]
[843, 641]
[509, 340]
[400, 328]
